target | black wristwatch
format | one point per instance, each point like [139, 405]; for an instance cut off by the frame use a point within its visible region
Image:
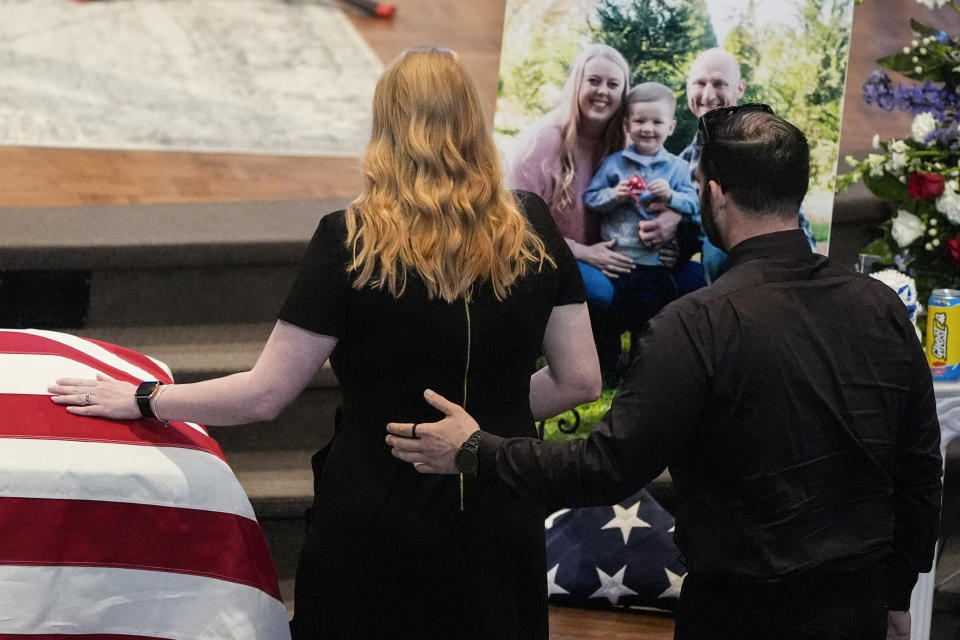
[145, 392]
[468, 455]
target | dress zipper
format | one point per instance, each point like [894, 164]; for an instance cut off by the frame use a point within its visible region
[466, 373]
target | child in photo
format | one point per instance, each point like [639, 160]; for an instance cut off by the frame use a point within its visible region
[634, 185]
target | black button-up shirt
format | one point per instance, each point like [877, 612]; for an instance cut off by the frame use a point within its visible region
[794, 406]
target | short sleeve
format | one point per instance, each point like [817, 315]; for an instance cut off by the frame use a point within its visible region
[570, 289]
[317, 301]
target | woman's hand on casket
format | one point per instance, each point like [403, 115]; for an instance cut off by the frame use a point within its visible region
[103, 397]
[432, 446]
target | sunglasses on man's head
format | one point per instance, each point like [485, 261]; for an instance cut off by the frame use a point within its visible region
[709, 121]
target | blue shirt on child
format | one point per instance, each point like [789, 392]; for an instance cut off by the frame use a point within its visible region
[620, 217]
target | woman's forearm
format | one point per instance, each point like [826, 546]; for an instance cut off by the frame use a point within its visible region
[233, 399]
[550, 397]
[285, 366]
[572, 374]
[288, 361]
[575, 248]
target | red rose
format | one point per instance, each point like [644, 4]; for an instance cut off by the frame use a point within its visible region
[953, 251]
[925, 186]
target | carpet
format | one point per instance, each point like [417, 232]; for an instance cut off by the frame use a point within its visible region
[246, 76]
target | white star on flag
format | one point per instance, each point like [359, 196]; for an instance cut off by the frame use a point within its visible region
[673, 591]
[552, 586]
[612, 587]
[548, 522]
[625, 520]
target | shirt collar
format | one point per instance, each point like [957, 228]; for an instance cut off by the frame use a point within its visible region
[767, 245]
[631, 153]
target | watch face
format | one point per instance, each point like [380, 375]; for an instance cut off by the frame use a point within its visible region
[147, 388]
[466, 461]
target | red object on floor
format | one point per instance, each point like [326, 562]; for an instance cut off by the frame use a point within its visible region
[374, 8]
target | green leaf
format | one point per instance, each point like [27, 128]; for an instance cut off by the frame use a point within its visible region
[897, 62]
[922, 29]
[903, 63]
[881, 249]
[887, 187]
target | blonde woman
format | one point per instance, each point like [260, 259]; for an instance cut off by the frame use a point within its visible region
[435, 277]
[557, 155]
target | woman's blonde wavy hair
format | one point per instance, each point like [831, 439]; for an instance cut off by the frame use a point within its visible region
[433, 199]
[568, 117]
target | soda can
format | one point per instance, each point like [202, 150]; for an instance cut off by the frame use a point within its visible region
[943, 334]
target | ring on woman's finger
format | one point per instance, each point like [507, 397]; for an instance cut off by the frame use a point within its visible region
[86, 399]
[417, 464]
[413, 432]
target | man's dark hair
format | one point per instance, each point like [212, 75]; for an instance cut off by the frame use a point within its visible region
[759, 159]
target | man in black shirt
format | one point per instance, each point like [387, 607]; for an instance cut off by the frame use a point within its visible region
[792, 403]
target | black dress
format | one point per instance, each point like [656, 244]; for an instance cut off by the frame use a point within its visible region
[389, 552]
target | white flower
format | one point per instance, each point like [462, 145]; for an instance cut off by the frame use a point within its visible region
[906, 228]
[898, 156]
[949, 201]
[875, 163]
[918, 69]
[923, 125]
[876, 141]
[906, 288]
[896, 162]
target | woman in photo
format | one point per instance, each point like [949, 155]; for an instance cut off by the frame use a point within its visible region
[557, 155]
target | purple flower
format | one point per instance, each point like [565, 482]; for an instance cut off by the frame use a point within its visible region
[916, 99]
[901, 260]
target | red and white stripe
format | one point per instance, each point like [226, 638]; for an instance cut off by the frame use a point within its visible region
[124, 529]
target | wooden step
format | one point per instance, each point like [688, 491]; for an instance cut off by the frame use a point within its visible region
[160, 236]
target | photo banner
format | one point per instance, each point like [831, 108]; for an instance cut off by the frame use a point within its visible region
[792, 55]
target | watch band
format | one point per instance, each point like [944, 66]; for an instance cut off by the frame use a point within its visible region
[144, 394]
[468, 455]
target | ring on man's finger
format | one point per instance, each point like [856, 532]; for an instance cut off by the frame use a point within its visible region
[417, 464]
[413, 432]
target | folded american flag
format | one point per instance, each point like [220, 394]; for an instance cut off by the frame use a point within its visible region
[126, 529]
[622, 555]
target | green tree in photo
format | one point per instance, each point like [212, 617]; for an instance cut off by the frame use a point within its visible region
[659, 39]
[800, 73]
[540, 41]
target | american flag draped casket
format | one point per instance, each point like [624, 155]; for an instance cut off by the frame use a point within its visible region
[126, 528]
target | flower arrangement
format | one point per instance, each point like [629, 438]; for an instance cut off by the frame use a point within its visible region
[919, 174]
